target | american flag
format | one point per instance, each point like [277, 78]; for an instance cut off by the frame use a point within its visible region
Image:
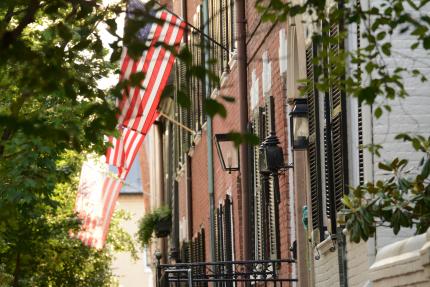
[138, 107]
[95, 203]
[138, 111]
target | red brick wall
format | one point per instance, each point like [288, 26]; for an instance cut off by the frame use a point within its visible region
[264, 39]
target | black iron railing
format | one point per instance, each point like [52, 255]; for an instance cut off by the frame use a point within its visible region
[227, 274]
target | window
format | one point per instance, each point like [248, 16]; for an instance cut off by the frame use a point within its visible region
[224, 231]
[328, 145]
[222, 30]
[314, 151]
[193, 89]
[265, 196]
[194, 251]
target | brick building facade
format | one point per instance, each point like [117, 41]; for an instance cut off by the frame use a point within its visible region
[191, 174]
[187, 161]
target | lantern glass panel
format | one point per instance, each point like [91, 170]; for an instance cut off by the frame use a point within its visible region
[229, 153]
[301, 130]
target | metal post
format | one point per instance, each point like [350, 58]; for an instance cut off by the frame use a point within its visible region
[158, 269]
[190, 277]
[209, 139]
[243, 94]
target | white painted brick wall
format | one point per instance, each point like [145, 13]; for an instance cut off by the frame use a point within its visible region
[412, 115]
[327, 270]
[358, 263]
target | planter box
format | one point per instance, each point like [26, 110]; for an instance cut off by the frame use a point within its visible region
[162, 229]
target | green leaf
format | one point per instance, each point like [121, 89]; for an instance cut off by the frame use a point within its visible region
[386, 49]
[426, 42]
[381, 35]
[426, 169]
[385, 166]
[212, 108]
[228, 99]
[378, 112]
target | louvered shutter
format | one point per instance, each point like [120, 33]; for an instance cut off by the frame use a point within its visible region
[314, 143]
[193, 251]
[185, 111]
[193, 81]
[338, 131]
[251, 170]
[185, 252]
[180, 115]
[231, 25]
[217, 244]
[201, 60]
[220, 233]
[272, 196]
[224, 33]
[258, 127]
[201, 253]
[360, 112]
[228, 232]
[215, 25]
[228, 239]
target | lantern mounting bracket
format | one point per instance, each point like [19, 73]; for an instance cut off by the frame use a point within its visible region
[286, 167]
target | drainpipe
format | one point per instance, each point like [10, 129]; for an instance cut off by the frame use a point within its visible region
[209, 140]
[189, 200]
[184, 12]
[243, 100]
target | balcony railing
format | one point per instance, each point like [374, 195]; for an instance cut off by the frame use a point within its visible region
[227, 274]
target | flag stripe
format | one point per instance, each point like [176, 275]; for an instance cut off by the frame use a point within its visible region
[109, 207]
[156, 93]
[131, 98]
[149, 68]
[151, 84]
[138, 110]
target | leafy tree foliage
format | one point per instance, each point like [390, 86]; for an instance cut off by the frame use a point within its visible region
[403, 198]
[400, 200]
[51, 111]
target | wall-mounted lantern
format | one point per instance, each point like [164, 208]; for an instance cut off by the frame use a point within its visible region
[272, 156]
[228, 152]
[299, 128]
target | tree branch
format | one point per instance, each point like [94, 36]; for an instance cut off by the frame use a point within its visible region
[8, 16]
[15, 107]
[11, 36]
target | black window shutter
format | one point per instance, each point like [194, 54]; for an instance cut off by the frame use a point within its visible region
[203, 254]
[251, 170]
[228, 239]
[338, 131]
[201, 83]
[220, 233]
[217, 243]
[231, 24]
[185, 252]
[272, 197]
[314, 143]
[360, 112]
[228, 226]
[224, 33]
[258, 128]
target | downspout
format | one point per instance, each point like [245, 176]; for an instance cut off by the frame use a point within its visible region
[184, 12]
[160, 190]
[189, 200]
[243, 99]
[209, 140]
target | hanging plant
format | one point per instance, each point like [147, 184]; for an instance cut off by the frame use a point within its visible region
[157, 222]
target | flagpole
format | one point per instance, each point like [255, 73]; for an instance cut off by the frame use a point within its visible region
[176, 122]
